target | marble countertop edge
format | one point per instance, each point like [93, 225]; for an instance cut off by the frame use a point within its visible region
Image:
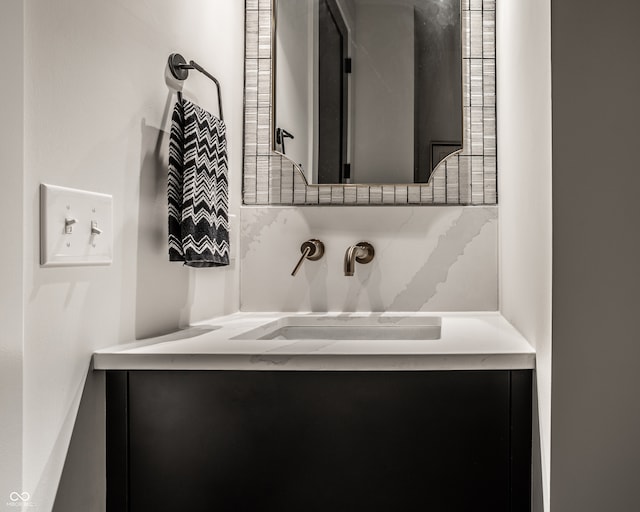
[353, 362]
[469, 340]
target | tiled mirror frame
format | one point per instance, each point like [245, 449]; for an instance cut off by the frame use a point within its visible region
[466, 178]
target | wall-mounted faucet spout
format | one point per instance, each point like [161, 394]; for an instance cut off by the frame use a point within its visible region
[362, 252]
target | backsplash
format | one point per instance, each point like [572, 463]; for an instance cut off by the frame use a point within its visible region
[467, 178]
[427, 259]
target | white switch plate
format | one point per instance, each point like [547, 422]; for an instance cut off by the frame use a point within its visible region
[58, 247]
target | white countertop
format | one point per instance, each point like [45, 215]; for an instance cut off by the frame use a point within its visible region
[469, 341]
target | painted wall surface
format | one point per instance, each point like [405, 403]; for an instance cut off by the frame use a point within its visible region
[11, 264]
[294, 78]
[427, 259]
[524, 153]
[595, 417]
[97, 117]
[383, 79]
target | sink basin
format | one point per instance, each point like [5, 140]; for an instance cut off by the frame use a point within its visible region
[339, 332]
[307, 327]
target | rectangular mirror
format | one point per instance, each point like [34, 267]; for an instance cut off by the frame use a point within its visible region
[368, 91]
[466, 177]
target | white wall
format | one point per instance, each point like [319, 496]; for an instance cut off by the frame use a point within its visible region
[383, 71]
[596, 253]
[97, 117]
[294, 77]
[11, 267]
[524, 160]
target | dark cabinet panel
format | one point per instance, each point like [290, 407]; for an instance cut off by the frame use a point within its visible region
[320, 441]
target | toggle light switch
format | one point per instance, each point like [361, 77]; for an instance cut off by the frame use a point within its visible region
[68, 225]
[95, 230]
[76, 227]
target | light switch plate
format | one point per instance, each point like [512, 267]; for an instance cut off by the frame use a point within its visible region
[67, 216]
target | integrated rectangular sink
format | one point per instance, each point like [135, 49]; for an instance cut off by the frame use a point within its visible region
[308, 327]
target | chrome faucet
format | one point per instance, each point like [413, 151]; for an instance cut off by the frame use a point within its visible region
[362, 252]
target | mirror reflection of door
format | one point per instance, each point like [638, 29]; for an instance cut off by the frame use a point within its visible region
[397, 115]
[438, 86]
[332, 93]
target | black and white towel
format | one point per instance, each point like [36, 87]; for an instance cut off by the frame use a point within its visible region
[198, 188]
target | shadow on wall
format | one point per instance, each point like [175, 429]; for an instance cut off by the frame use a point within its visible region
[163, 288]
[82, 485]
[163, 301]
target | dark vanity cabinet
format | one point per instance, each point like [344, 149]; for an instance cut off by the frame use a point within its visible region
[442, 441]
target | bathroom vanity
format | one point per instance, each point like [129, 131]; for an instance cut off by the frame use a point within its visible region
[254, 412]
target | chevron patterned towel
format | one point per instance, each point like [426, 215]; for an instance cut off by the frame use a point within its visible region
[198, 188]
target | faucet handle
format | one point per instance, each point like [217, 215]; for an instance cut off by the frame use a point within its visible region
[366, 252]
[312, 250]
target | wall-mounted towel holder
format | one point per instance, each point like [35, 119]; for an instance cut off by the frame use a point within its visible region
[180, 71]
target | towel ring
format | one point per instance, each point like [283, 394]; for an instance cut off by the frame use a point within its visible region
[180, 71]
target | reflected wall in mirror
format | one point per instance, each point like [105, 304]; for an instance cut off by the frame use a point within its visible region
[368, 91]
[467, 177]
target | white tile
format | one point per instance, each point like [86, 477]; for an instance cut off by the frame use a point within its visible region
[401, 195]
[466, 131]
[464, 174]
[475, 76]
[413, 194]
[251, 34]
[375, 194]
[475, 18]
[488, 34]
[477, 131]
[466, 82]
[324, 192]
[264, 83]
[453, 193]
[264, 34]
[313, 195]
[466, 35]
[350, 195]
[477, 179]
[251, 83]
[275, 179]
[286, 194]
[250, 131]
[299, 187]
[388, 194]
[426, 193]
[439, 182]
[262, 179]
[337, 194]
[362, 194]
[489, 82]
[489, 133]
